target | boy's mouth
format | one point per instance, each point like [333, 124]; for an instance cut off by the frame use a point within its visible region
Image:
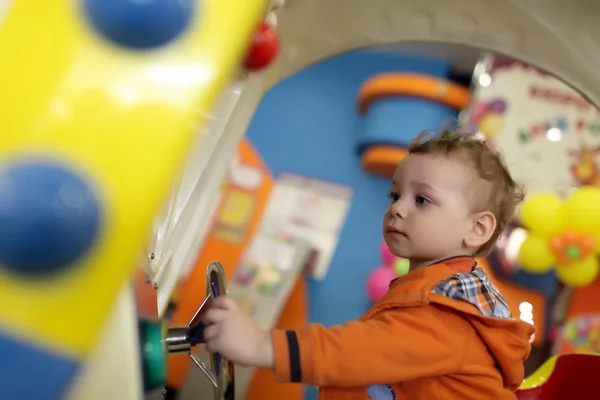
[394, 231]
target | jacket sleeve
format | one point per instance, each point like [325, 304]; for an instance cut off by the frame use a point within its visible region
[396, 345]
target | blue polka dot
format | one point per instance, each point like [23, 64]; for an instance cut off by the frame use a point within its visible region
[140, 24]
[381, 392]
[49, 218]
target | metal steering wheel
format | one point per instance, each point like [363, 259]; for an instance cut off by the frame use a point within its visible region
[182, 338]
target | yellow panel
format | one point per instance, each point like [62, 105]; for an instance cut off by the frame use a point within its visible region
[124, 119]
[541, 375]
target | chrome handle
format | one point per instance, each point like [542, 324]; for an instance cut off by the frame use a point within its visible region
[209, 374]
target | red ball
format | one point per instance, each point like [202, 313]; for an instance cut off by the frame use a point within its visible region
[263, 48]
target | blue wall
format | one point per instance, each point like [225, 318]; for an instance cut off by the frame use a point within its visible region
[308, 124]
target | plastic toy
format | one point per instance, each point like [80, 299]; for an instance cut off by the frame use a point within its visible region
[566, 376]
[263, 49]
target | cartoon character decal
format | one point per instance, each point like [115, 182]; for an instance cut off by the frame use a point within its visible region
[584, 167]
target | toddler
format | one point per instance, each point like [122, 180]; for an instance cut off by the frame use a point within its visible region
[443, 331]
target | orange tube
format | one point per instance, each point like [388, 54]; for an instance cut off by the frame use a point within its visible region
[382, 160]
[409, 84]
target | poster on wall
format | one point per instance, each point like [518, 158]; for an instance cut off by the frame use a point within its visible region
[309, 209]
[547, 132]
[237, 202]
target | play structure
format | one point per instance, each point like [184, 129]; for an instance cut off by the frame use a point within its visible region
[119, 120]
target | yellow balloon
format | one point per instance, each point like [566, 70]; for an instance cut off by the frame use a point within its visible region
[581, 210]
[579, 273]
[535, 255]
[541, 213]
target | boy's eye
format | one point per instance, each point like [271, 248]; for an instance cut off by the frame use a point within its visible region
[394, 197]
[420, 200]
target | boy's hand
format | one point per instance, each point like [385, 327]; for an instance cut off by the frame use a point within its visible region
[235, 336]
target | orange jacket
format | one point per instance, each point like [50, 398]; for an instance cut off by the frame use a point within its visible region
[441, 332]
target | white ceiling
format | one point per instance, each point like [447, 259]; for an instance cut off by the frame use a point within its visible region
[463, 58]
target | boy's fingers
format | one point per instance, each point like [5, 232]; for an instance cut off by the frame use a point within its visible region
[211, 332]
[214, 316]
[224, 303]
[212, 346]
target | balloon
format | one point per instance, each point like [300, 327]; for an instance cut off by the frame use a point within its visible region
[386, 255]
[401, 266]
[379, 282]
[541, 213]
[565, 234]
[535, 255]
[580, 272]
[581, 210]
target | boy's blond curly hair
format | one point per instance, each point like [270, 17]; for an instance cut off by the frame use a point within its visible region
[496, 191]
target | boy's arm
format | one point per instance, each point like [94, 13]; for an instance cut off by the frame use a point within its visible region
[394, 346]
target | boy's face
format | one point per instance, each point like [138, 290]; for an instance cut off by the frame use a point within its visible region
[429, 216]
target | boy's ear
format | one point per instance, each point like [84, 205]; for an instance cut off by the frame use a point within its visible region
[482, 229]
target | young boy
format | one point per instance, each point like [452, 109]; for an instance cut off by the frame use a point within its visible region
[442, 331]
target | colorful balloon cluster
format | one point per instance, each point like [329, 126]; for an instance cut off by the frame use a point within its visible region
[380, 278]
[564, 235]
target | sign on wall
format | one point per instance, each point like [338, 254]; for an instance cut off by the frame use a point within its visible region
[547, 132]
[309, 209]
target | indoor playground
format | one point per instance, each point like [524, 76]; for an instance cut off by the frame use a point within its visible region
[157, 154]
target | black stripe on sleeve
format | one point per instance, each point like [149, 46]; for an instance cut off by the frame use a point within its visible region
[294, 349]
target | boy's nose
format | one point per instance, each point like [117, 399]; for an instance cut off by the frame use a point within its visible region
[399, 209]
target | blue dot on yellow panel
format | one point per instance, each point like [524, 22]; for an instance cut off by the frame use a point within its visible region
[28, 372]
[139, 24]
[49, 218]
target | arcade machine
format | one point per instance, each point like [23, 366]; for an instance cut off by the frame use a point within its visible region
[102, 101]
